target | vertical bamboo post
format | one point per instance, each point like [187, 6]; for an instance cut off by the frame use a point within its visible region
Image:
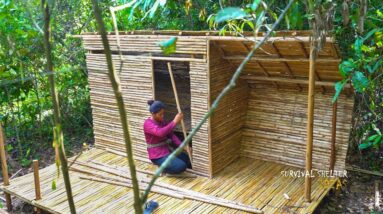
[4, 168]
[37, 182]
[333, 135]
[377, 196]
[310, 122]
[179, 108]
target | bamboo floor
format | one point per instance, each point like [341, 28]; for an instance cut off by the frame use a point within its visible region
[252, 182]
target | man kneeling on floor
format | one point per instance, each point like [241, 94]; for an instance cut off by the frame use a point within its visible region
[159, 137]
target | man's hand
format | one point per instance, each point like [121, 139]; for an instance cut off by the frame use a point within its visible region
[178, 117]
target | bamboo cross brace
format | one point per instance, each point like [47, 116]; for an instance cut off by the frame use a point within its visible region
[179, 109]
[290, 72]
[36, 177]
[263, 69]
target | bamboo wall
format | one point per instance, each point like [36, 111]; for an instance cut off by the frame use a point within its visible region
[199, 106]
[229, 117]
[141, 56]
[136, 90]
[275, 128]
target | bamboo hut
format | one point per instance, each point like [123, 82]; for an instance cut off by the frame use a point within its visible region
[258, 130]
[264, 117]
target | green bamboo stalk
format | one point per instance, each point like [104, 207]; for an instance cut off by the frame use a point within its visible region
[56, 108]
[114, 79]
[214, 106]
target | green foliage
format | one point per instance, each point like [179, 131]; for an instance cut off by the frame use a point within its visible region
[295, 18]
[363, 67]
[346, 68]
[230, 13]
[374, 140]
[25, 103]
[338, 88]
[53, 186]
[235, 20]
[169, 46]
[359, 81]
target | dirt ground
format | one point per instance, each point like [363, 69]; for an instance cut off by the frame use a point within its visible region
[356, 196]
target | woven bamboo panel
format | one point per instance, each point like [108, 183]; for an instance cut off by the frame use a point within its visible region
[136, 84]
[199, 106]
[229, 117]
[275, 128]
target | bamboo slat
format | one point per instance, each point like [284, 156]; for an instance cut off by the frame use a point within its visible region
[275, 127]
[228, 119]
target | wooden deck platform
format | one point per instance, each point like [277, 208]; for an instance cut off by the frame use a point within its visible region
[252, 182]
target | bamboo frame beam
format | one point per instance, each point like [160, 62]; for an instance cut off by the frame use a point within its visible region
[222, 53]
[175, 59]
[288, 80]
[4, 168]
[333, 135]
[263, 69]
[284, 63]
[307, 56]
[310, 122]
[36, 177]
[188, 149]
[283, 59]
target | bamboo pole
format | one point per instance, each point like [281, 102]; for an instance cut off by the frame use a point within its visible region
[333, 135]
[188, 149]
[4, 168]
[37, 182]
[377, 196]
[289, 80]
[36, 179]
[310, 122]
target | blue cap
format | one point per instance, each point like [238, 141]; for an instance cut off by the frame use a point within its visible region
[155, 106]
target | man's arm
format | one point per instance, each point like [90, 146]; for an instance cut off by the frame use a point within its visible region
[158, 131]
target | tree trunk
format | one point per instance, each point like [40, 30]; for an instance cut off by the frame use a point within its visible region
[56, 110]
[114, 79]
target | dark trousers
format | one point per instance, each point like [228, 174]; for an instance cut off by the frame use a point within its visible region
[178, 165]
